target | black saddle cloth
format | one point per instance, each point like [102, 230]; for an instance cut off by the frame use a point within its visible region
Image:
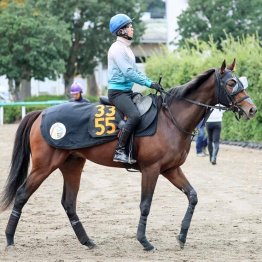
[75, 125]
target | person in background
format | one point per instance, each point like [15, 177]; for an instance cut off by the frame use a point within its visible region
[122, 74]
[76, 91]
[201, 140]
[214, 126]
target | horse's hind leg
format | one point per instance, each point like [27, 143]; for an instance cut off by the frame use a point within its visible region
[41, 169]
[178, 179]
[71, 170]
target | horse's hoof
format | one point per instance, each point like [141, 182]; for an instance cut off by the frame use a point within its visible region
[181, 244]
[150, 249]
[154, 249]
[90, 244]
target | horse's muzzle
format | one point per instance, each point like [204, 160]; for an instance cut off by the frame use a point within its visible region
[252, 112]
[248, 113]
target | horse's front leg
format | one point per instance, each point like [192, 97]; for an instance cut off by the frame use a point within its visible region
[178, 179]
[149, 179]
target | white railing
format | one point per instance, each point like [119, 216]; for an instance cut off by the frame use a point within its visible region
[23, 106]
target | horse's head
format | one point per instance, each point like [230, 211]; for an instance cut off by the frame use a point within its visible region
[231, 92]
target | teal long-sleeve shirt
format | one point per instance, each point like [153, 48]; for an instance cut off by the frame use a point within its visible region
[122, 69]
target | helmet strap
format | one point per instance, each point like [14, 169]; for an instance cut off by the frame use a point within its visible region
[123, 33]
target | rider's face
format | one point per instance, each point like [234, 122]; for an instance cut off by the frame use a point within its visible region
[76, 96]
[130, 30]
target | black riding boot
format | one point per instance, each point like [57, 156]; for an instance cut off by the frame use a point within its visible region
[120, 154]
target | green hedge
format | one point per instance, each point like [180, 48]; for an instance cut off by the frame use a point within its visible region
[12, 114]
[182, 65]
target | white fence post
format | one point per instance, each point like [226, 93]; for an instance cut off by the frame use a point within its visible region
[23, 111]
[24, 104]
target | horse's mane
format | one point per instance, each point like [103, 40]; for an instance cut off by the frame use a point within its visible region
[182, 91]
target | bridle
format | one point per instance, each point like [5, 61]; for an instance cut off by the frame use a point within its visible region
[225, 99]
[228, 99]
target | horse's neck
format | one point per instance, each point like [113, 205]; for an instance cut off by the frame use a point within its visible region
[187, 114]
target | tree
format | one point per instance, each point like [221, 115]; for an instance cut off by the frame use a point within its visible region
[217, 17]
[33, 44]
[5, 3]
[89, 27]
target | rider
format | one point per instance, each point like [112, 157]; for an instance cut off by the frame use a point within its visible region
[122, 74]
[76, 91]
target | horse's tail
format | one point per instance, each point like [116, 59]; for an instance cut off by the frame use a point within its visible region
[20, 160]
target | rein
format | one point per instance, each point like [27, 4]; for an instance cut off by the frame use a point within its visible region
[177, 125]
[207, 106]
[173, 120]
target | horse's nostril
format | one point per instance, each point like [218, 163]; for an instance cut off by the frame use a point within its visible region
[253, 110]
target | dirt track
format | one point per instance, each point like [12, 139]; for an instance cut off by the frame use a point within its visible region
[227, 225]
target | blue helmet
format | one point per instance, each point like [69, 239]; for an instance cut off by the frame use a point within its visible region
[118, 21]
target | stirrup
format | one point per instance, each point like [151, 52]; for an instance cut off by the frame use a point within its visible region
[120, 156]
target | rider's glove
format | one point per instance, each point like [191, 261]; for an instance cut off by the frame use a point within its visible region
[156, 86]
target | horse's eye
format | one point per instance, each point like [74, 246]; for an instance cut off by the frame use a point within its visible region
[232, 84]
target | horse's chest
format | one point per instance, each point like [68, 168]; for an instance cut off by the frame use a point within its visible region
[179, 152]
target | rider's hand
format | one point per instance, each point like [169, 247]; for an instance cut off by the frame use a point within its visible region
[156, 86]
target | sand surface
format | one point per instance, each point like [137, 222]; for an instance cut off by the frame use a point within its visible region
[227, 224]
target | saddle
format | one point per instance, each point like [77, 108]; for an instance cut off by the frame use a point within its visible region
[78, 125]
[143, 104]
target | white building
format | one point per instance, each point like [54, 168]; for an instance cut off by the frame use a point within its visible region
[173, 9]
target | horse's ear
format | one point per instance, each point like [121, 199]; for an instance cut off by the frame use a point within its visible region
[233, 65]
[223, 67]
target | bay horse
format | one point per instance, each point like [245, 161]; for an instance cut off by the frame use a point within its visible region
[163, 153]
